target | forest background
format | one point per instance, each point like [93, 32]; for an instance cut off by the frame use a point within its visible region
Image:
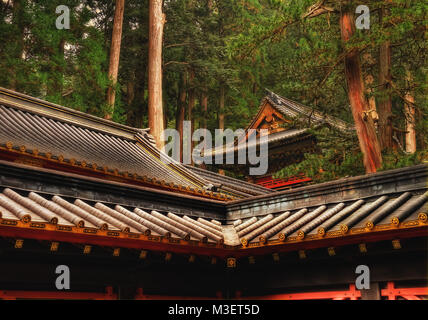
[219, 56]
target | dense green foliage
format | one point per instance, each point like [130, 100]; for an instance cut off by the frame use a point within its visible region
[339, 156]
[243, 46]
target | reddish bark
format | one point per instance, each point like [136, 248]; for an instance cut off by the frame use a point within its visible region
[116, 41]
[156, 118]
[363, 121]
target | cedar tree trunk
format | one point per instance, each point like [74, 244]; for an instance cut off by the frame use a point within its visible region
[363, 120]
[385, 104]
[181, 111]
[113, 70]
[156, 23]
[409, 111]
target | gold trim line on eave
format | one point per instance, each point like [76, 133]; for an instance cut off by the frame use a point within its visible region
[116, 173]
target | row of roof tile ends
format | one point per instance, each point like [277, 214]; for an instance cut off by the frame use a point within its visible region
[340, 216]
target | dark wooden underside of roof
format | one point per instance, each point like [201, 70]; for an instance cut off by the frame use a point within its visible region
[281, 153]
[33, 268]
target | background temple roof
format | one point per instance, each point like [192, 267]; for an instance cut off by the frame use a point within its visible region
[290, 110]
[293, 109]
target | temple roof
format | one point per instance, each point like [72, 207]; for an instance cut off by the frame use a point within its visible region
[288, 109]
[334, 219]
[293, 109]
[384, 205]
[32, 207]
[67, 176]
[329, 220]
[71, 137]
[230, 184]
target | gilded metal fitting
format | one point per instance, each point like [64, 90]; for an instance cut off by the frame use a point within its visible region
[422, 217]
[395, 221]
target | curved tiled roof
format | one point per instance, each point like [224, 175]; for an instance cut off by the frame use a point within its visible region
[45, 128]
[293, 109]
[73, 142]
[229, 184]
[33, 207]
[289, 109]
[336, 218]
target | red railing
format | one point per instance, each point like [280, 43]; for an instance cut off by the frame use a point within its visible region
[392, 293]
[272, 183]
[416, 293]
[351, 294]
[407, 293]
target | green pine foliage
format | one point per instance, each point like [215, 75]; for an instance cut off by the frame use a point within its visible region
[243, 46]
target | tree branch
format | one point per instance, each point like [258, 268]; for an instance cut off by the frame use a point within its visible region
[317, 9]
[175, 62]
[177, 45]
[339, 59]
[394, 87]
[67, 93]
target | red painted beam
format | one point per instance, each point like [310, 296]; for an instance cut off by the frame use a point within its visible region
[57, 295]
[407, 293]
[351, 294]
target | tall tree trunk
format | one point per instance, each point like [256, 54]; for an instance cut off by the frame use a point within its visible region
[363, 121]
[204, 103]
[130, 96]
[181, 111]
[156, 24]
[203, 122]
[221, 109]
[409, 111]
[140, 94]
[368, 82]
[221, 116]
[113, 71]
[18, 21]
[130, 91]
[385, 104]
[190, 107]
